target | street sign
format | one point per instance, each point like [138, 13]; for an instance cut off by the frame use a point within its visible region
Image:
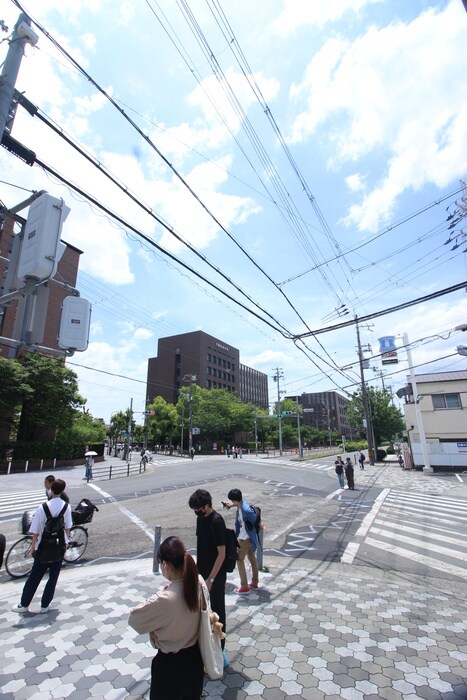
[308, 410]
[195, 431]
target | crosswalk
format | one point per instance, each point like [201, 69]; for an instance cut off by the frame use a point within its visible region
[427, 529]
[14, 504]
[319, 466]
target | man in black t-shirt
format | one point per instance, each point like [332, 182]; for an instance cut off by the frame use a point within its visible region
[210, 550]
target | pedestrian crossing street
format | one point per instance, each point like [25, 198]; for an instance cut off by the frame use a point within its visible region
[428, 529]
[15, 504]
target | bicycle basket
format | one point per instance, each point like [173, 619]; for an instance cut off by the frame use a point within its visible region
[83, 512]
[26, 521]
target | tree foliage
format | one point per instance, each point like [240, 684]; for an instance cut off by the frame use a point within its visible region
[163, 425]
[50, 404]
[386, 418]
[14, 388]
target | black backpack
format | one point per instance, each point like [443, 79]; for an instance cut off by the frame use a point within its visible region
[257, 510]
[53, 544]
[231, 550]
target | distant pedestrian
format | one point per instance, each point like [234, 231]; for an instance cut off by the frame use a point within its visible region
[62, 511]
[89, 466]
[245, 519]
[361, 460]
[192, 452]
[349, 474]
[339, 469]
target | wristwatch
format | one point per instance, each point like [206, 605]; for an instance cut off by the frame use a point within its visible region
[211, 580]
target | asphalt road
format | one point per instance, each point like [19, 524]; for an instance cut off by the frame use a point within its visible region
[304, 512]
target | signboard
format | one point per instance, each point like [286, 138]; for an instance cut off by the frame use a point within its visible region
[388, 350]
[195, 431]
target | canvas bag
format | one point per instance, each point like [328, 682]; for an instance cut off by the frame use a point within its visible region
[209, 643]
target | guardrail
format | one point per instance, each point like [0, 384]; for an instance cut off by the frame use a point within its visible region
[106, 472]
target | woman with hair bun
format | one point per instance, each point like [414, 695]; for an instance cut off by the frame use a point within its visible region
[171, 617]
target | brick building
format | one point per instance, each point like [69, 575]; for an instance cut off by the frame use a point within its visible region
[214, 363]
[325, 410]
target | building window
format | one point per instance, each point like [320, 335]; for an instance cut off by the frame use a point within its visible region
[209, 357]
[446, 401]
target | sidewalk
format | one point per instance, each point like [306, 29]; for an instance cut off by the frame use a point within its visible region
[313, 630]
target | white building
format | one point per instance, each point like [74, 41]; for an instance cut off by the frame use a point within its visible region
[442, 400]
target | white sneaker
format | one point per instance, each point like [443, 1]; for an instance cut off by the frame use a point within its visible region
[44, 610]
[20, 608]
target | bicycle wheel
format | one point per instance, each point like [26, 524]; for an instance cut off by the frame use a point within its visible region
[78, 541]
[19, 561]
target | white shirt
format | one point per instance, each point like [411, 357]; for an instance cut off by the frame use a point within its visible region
[243, 534]
[39, 518]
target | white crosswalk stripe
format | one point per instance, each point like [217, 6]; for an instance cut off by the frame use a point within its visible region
[17, 503]
[320, 466]
[427, 529]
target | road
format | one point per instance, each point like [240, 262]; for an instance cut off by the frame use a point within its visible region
[394, 520]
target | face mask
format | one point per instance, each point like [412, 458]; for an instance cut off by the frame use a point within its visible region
[198, 511]
[49, 493]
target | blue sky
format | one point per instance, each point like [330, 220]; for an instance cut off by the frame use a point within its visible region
[305, 140]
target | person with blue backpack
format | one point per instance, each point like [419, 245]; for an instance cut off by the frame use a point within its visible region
[50, 527]
[246, 529]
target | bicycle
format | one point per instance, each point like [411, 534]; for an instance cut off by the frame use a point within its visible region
[18, 562]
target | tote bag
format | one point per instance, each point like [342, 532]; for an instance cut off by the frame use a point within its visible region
[209, 643]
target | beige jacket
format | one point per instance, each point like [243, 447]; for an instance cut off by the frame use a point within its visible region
[165, 616]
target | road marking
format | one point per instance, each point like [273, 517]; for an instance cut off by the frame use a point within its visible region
[352, 548]
[422, 544]
[134, 518]
[419, 558]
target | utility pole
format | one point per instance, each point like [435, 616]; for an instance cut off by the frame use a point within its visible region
[418, 411]
[366, 408]
[22, 35]
[191, 378]
[128, 432]
[300, 449]
[256, 434]
[277, 377]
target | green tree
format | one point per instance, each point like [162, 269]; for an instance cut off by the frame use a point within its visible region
[386, 418]
[14, 388]
[163, 424]
[50, 404]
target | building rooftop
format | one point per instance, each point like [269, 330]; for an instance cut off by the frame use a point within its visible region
[441, 377]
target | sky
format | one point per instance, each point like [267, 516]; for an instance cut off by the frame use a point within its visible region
[276, 174]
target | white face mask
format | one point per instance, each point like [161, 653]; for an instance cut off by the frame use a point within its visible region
[49, 493]
[164, 570]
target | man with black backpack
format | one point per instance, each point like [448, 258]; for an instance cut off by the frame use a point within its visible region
[50, 528]
[247, 524]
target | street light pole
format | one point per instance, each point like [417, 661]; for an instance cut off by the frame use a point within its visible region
[300, 449]
[191, 378]
[366, 408]
[277, 378]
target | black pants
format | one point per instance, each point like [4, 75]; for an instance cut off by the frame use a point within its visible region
[35, 577]
[177, 676]
[217, 597]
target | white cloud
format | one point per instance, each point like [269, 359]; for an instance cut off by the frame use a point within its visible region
[355, 182]
[214, 95]
[392, 89]
[143, 334]
[317, 13]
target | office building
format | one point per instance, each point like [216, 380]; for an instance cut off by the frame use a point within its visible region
[325, 411]
[214, 363]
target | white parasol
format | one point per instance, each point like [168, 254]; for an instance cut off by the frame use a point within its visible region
[90, 453]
